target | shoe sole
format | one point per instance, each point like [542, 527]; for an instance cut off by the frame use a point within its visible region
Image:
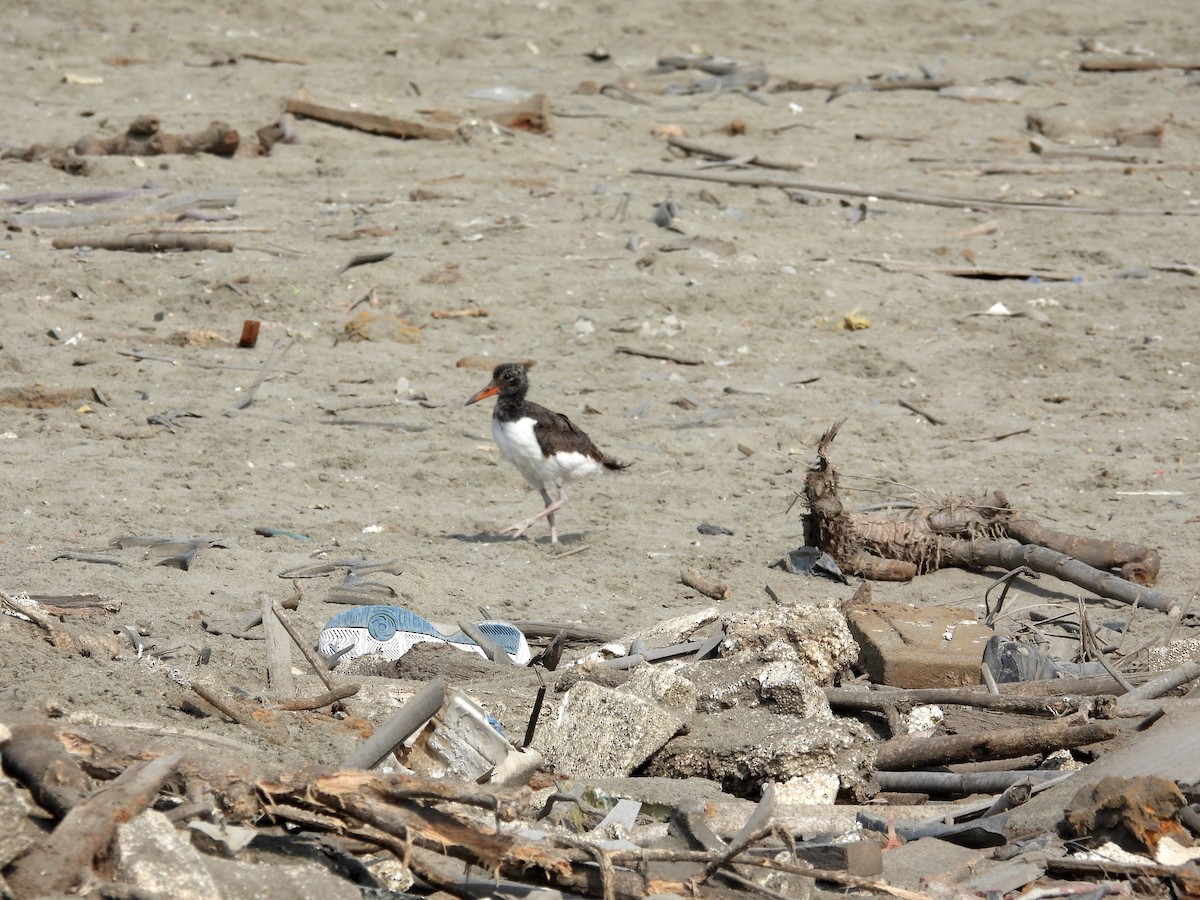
[394, 630]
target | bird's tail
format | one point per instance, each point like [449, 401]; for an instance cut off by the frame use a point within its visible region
[614, 464]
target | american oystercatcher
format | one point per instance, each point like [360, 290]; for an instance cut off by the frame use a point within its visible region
[545, 446]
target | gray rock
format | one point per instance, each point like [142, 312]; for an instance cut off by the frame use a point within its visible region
[742, 749]
[239, 880]
[17, 835]
[745, 680]
[604, 732]
[153, 856]
[814, 635]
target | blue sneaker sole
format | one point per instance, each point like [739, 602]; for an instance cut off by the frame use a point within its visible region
[394, 630]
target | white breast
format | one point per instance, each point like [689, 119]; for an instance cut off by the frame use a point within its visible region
[519, 446]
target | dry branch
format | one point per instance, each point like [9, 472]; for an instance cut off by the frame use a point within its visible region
[870, 84]
[910, 752]
[150, 242]
[695, 149]
[145, 138]
[54, 866]
[1130, 64]
[883, 701]
[298, 704]
[388, 126]
[927, 199]
[973, 534]
[717, 590]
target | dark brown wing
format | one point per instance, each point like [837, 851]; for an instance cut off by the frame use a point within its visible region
[556, 433]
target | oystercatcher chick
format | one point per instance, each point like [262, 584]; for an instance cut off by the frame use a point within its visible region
[545, 446]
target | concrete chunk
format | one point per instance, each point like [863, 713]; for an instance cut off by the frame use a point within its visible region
[813, 635]
[17, 834]
[929, 861]
[272, 881]
[744, 680]
[919, 647]
[742, 749]
[153, 856]
[604, 732]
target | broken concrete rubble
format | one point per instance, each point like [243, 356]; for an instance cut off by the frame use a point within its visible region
[744, 680]
[606, 732]
[742, 750]
[813, 634]
[704, 737]
[158, 859]
[155, 857]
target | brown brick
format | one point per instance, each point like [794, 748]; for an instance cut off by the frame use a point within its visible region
[918, 647]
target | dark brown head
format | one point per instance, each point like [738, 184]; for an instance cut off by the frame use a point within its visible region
[509, 380]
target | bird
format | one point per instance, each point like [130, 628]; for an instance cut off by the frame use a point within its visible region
[546, 447]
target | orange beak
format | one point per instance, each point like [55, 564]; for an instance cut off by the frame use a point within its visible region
[490, 391]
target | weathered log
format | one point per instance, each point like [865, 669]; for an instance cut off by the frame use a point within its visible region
[85, 833]
[36, 757]
[959, 782]
[388, 126]
[881, 701]
[279, 653]
[1008, 554]
[910, 752]
[152, 242]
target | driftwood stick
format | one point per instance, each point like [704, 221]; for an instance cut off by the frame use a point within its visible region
[152, 242]
[217, 702]
[388, 126]
[569, 632]
[55, 865]
[150, 729]
[928, 417]
[402, 723]
[1008, 554]
[1130, 64]
[667, 357]
[1137, 563]
[978, 272]
[494, 651]
[756, 827]
[36, 757]
[865, 84]
[695, 149]
[716, 590]
[958, 782]
[80, 198]
[880, 701]
[146, 357]
[1154, 689]
[474, 312]
[1085, 686]
[313, 657]
[908, 752]
[946, 200]
[298, 704]
[279, 655]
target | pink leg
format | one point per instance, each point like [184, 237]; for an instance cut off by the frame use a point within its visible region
[552, 506]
